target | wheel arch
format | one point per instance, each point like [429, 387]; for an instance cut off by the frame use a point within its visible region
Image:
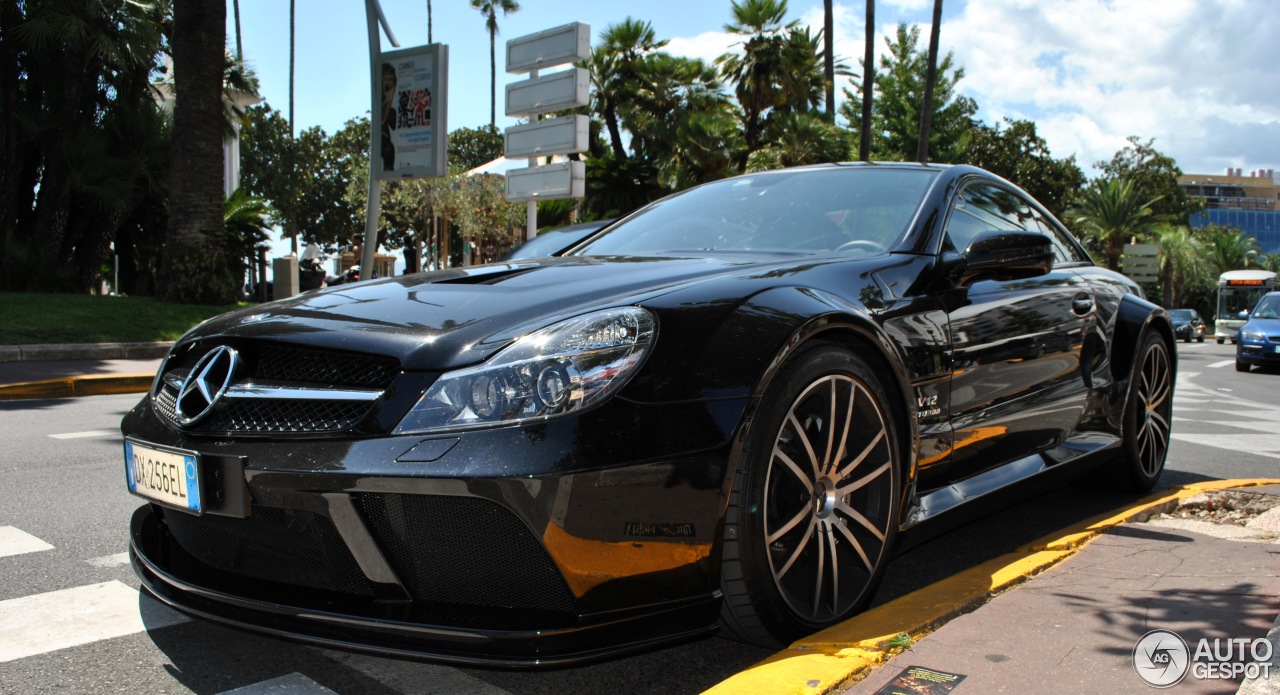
[1134, 317]
[823, 317]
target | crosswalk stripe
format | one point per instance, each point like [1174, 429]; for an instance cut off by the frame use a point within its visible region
[1223, 363]
[83, 435]
[15, 541]
[1256, 444]
[71, 617]
[292, 684]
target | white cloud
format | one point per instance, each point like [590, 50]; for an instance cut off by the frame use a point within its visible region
[1092, 72]
[708, 45]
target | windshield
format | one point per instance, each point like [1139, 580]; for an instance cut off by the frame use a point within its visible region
[1268, 308]
[1181, 314]
[849, 209]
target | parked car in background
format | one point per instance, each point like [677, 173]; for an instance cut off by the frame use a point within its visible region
[1187, 325]
[1258, 343]
[717, 413]
[554, 242]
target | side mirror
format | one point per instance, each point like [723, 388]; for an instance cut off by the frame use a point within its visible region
[1243, 315]
[1004, 255]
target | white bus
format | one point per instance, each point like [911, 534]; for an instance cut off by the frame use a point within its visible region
[1238, 291]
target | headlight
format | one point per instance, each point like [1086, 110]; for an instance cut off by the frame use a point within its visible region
[561, 369]
[1253, 335]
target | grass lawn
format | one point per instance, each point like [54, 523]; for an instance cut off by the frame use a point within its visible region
[31, 319]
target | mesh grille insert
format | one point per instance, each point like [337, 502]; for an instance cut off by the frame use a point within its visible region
[464, 550]
[285, 546]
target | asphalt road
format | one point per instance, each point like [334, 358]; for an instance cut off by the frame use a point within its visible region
[69, 606]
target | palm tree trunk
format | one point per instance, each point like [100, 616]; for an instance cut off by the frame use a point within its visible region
[194, 268]
[493, 72]
[829, 58]
[429, 39]
[931, 76]
[868, 82]
[235, 4]
[292, 220]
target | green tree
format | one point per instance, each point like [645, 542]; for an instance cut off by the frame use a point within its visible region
[472, 147]
[1016, 152]
[490, 8]
[796, 139]
[1154, 176]
[195, 266]
[1110, 212]
[899, 102]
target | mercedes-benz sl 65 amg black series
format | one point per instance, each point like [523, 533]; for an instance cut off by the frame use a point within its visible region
[715, 414]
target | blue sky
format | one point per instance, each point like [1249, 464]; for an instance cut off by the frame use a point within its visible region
[1199, 76]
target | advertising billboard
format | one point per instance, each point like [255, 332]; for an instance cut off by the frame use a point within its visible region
[410, 119]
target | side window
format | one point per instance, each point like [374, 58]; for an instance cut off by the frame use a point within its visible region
[983, 207]
[1064, 247]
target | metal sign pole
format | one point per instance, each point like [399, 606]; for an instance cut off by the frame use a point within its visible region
[374, 16]
[531, 207]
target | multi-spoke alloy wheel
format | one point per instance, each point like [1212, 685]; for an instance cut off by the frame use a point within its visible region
[813, 513]
[1148, 412]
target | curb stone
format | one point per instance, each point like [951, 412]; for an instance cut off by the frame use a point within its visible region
[845, 653]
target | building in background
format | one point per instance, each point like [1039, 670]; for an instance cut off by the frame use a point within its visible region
[1248, 203]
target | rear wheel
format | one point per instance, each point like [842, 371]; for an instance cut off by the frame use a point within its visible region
[1148, 411]
[813, 510]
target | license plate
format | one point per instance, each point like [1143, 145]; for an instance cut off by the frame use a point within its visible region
[168, 476]
[1277, 348]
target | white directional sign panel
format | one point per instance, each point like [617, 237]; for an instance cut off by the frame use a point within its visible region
[561, 90]
[545, 49]
[564, 180]
[543, 138]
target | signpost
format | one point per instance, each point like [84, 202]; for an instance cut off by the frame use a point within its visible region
[1141, 262]
[408, 135]
[537, 95]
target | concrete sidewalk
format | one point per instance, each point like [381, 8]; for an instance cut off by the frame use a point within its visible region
[1065, 614]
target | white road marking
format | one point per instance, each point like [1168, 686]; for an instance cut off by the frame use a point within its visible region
[83, 435]
[1223, 363]
[110, 560]
[292, 684]
[1256, 444]
[15, 541]
[56, 620]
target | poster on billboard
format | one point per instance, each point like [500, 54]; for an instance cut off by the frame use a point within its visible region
[411, 116]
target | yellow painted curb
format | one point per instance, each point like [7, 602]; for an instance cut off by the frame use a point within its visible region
[831, 658]
[77, 386]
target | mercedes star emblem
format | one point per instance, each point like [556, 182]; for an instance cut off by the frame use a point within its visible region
[205, 384]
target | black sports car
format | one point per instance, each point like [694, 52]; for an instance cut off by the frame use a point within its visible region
[719, 413]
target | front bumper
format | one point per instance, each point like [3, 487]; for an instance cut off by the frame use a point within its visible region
[1258, 353]
[510, 548]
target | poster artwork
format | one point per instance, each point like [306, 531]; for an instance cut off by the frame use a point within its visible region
[407, 134]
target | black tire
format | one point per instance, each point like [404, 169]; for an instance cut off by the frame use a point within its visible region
[813, 512]
[1200, 339]
[1221, 340]
[1148, 412]
[1242, 366]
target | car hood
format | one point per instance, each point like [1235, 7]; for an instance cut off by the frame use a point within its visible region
[1264, 325]
[452, 318]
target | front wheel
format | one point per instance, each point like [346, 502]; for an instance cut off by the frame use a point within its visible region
[1221, 340]
[814, 506]
[1148, 411]
[1242, 366]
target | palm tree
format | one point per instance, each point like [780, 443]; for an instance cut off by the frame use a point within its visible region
[1110, 213]
[235, 5]
[756, 71]
[489, 8]
[1228, 248]
[1181, 258]
[194, 268]
[796, 139]
[931, 76]
[616, 67]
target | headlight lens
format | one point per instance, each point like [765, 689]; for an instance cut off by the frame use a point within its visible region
[561, 369]
[1253, 335]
